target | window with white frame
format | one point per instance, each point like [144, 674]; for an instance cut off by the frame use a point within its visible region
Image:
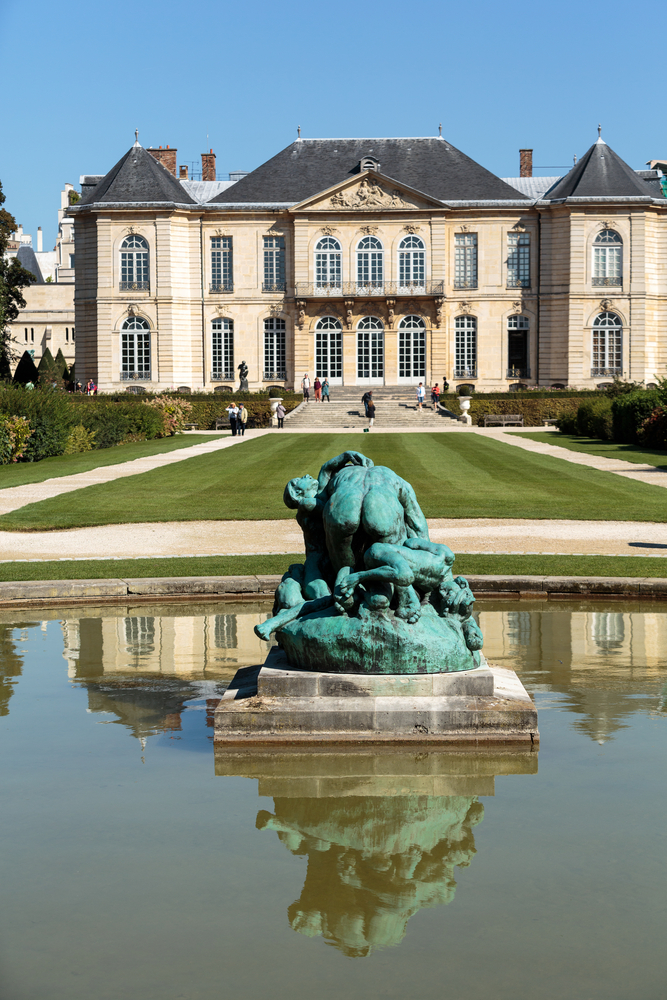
[465, 364]
[412, 349]
[327, 265]
[608, 258]
[222, 264]
[518, 328]
[370, 350]
[274, 264]
[370, 265]
[518, 260]
[222, 349]
[465, 260]
[329, 349]
[411, 263]
[135, 349]
[607, 345]
[134, 274]
[274, 349]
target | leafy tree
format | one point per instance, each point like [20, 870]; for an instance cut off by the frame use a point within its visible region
[26, 370]
[13, 278]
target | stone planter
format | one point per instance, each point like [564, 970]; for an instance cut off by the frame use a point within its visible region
[464, 403]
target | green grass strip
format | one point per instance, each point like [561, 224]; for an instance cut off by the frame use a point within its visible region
[23, 473]
[488, 565]
[602, 449]
[454, 475]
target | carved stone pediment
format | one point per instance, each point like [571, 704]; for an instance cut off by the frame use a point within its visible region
[368, 192]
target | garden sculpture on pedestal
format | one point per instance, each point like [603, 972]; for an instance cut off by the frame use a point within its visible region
[243, 377]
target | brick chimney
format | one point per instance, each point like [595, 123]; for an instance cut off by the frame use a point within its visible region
[166, 156]
[208, 166]
[525, 163]
[182, 173]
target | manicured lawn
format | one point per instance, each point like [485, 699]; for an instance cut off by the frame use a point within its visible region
[454, 475]
[490, 565]
[601, 449]
[69, 465]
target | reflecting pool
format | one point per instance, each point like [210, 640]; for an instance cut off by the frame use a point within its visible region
[139, 861]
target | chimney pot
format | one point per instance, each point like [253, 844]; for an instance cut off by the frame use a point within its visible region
[208, 166]
[525, 163]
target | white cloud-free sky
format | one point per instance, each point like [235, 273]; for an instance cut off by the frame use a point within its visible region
[239, 77]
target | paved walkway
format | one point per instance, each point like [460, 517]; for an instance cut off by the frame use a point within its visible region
[18, 496]
[206, 538]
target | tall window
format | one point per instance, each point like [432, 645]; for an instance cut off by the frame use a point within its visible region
[370, 350]
[135, 349]
[222, 349]
[608, 258]
[607, 345]
[412, 348]
[274, 264]
[370, 269]
[327, 265]
[274, 349]
[465, 260]
[411, 262]
[518, 260]
[329, 349]
[222, 265]
[466, 347]
[134, 264]
[517, 347]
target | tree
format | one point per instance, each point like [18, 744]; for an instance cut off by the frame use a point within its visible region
[26, 370]
[61, 365]
[47, 367]
[13, 278]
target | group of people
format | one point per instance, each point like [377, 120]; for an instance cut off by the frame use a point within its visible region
[238, 418]
[321, 389]
[435, 395]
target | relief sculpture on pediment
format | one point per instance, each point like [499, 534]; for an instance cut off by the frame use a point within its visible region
[369, 194]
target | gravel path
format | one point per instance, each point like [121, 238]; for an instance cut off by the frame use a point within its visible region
[203, 538]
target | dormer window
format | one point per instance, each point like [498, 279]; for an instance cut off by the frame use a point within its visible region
[369, 163]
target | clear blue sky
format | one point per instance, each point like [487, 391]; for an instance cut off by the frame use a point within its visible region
[79, 78]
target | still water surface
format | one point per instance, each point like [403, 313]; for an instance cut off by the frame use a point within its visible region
[139, 863]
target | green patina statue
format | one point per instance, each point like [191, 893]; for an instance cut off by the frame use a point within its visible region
[374, 595]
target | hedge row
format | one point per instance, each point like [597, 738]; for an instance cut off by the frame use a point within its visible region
[533, 409]
[637, 417]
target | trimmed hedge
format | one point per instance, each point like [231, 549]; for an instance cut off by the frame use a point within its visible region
[630, 411]
[533, 408]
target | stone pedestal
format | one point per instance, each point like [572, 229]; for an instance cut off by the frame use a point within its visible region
[277, 704]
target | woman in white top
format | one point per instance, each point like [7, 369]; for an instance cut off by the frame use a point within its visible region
[421, 392]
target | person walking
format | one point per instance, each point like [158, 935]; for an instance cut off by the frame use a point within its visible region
[242, 420]
[435, 396]
[233, 412]
[305, 385]
[369, 407]
[317, 386]
[280, 413]
[325, 391]
[421, 392]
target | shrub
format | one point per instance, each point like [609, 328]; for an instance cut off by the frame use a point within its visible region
[275, 393]
[174, 412]
[50, 414]
[630, 410]
[594, 419]
[620, 388]
[26, 370]
[653, 432]
[79, 440]
[14, 434]
[534, 409]
[567, 423]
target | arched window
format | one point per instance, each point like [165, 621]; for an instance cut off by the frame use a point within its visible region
[607, 345]
[329, 349]
[222, 349]
[274, 349]
[370, 351]
[608, 258]
[135, 349]
[134, 264]
[327, 265]
[411, 263]
[412, 349]
[465, 365]
[518, 328]
[370, 265]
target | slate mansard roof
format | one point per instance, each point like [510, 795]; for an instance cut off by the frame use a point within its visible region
[308, 166]
[601, 173]
[136, 179]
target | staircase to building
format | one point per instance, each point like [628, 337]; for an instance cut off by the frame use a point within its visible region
[394, 407]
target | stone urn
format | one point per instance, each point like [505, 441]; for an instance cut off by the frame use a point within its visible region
[464, 403]
[274, 400]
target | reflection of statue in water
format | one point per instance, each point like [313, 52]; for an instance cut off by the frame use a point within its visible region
[373, 862]
[370, 571]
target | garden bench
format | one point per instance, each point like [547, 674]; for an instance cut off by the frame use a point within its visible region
[503, 419]
[550, 421]
[191, 427]
[221, 423]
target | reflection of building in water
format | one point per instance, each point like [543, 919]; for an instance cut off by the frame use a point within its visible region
[383, 832]
[144, 668]
[11, 664]
[597, 658]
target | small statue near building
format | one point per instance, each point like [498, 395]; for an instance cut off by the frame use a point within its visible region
[243, 377]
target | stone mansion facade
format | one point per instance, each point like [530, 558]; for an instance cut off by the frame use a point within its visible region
[370, 262]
